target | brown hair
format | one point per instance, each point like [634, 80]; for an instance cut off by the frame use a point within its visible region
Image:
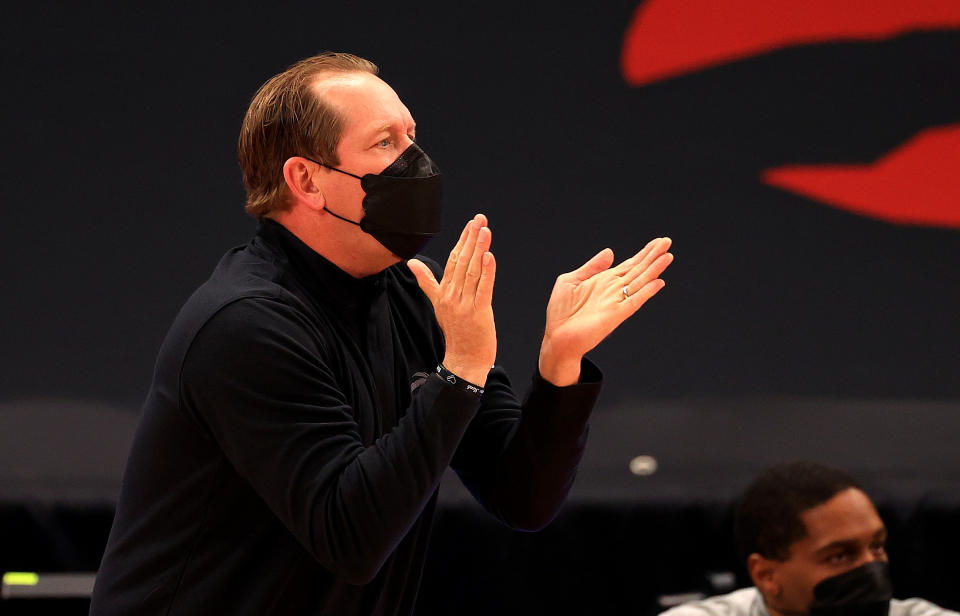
[286, 118]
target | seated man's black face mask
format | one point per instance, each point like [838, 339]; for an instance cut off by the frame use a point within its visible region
[864, 591]
[401, 209]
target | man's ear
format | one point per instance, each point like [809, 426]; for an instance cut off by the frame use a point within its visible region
[300, 177]
[763, 572]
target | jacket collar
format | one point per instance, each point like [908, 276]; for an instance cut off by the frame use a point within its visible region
[322, 279]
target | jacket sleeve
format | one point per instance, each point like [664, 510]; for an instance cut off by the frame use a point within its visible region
[256, 379]
[519, 461]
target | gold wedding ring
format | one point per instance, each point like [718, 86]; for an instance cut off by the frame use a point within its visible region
[625, 294]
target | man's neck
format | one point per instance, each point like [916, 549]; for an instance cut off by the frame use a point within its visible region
[331, 246]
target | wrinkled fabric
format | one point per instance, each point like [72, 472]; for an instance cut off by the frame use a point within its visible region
[293, 438]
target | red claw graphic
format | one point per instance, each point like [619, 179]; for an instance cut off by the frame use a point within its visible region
[917, 183]
[668, 38]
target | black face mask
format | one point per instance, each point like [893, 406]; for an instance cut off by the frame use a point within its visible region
[864, 591]
[401, 209]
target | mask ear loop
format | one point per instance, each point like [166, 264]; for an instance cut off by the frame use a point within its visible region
[352, 222]
[333, 168]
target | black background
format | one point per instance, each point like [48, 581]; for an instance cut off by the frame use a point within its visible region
[121, 188]
[121, 191]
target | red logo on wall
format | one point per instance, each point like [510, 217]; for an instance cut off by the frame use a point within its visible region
[916, 183]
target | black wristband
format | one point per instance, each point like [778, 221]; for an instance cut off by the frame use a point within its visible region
[459, 383]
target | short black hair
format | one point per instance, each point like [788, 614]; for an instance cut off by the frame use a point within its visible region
[767, 520]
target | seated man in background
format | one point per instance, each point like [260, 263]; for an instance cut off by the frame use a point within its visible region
[813, 544]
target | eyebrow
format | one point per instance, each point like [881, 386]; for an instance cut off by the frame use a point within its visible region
[386, 128]
[848, 543]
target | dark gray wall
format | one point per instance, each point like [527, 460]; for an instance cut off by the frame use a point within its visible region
[120, 187]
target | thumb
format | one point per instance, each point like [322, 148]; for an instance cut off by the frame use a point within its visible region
[600, 262]
[425, 278]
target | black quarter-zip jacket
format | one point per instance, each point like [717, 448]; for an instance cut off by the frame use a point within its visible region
[294, 436]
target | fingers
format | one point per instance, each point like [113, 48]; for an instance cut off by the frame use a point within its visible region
[428, 284]
[463, 259]
[487, 276]
[455, 253]
[464, 268]
[651, 272]
[647, 257]
[631, 267]
[628, 264]
[475, 268]
[644, 293]
[600, 262]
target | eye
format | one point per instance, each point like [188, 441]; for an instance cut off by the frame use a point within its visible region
[385, 143]
[839, 557]
[878, 548]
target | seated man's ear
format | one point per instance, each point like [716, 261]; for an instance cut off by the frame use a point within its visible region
[763, 573]
[301, 178]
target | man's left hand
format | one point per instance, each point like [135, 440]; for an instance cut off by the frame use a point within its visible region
[592, 301]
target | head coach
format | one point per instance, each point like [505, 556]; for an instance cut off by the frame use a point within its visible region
[309, 396]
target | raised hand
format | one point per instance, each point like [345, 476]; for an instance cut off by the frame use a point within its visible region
[462, 302]
[593, 300]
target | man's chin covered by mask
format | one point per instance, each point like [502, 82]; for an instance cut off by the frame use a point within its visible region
[865, 590]
[813, 544]
[836, 562]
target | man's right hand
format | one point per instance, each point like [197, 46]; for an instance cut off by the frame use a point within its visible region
[462, 302]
